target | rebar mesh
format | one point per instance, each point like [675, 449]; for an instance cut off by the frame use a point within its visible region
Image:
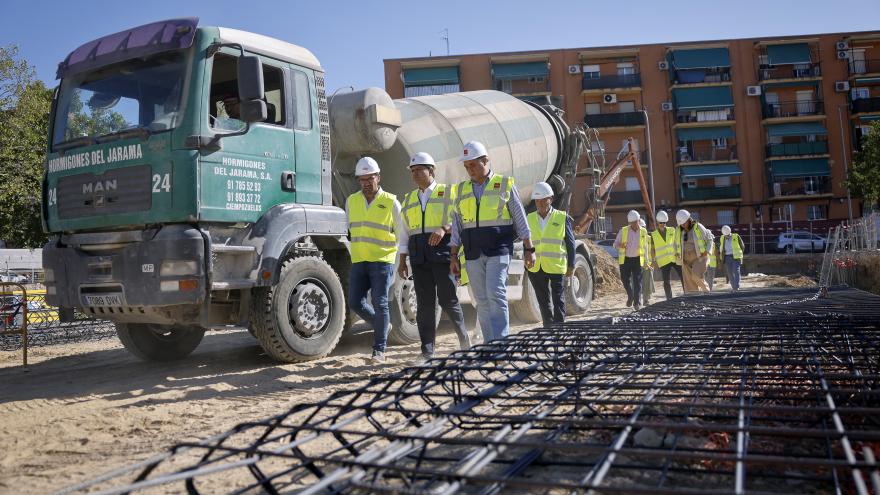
[845, 245]
[765, 391]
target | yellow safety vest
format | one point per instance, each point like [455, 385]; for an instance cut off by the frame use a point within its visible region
[700, 244]
[437, 212]
[549, 243]
[463, 276]
[491, 211]
[664, 248]
[737, 247]
[712, 260]
[372, 228]
[643, 245]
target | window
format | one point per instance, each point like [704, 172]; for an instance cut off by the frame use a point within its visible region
[816, 212]
[722, 181]
[726, 217]
[224, 91]
[626, 106]
[507, 85]
[591, 72]
[632, 184]
[719, 143]
[857, 61]
[439, 89]
[625, 68]
[609, 225]
[593, 108]
[302, 101]
[537, 79]
[689, 184]
[811, 185]
[859, 93]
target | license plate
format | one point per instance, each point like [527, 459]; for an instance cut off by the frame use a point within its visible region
[103, 300]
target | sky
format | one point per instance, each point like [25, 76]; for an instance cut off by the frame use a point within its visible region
[351, 38]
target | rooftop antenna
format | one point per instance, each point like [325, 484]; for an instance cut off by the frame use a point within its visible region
[445, 37]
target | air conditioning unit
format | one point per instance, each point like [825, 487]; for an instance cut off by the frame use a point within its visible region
[666, 106]
[663, 65]
[609, 98]
[841, 86]
[574, 69]
[753, 90]
[842, 54]
[841, 45]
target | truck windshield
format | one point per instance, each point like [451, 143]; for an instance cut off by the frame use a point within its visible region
[137, 95]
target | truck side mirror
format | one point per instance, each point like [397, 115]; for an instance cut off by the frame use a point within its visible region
[251, 89]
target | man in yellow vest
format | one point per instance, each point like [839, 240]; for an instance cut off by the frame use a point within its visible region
[427, 217]
[374, 222]
[553, 238]
[632, 248]
[488, 218]
[664, 251]
[694, 242]
[731, 248]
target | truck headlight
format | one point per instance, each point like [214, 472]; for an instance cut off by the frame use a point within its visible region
[176, 268]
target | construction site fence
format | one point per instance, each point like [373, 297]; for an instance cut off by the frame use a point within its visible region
[849, 244]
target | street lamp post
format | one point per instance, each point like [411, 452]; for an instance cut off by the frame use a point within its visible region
[845, 163]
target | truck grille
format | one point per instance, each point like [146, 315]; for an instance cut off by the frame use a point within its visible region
[122, 190]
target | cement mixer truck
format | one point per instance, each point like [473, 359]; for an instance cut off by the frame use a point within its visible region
[172, 211]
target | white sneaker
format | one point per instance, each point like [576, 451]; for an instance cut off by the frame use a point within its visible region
[378, 357]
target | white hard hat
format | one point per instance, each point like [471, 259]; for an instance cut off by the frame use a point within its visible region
[662, 217]
[473, 150]
[682, 217]
[725, 230]
[422, 158]
[632, 216]
[542, 190]
[642, 222]
[366, 166]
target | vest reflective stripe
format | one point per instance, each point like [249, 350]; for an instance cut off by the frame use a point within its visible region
[436, 213]
[735, 244]
[713, 262]
[491, 211]
[643, 245]
[664, 248]
[550, 254]
[372, 229]
[463, 276]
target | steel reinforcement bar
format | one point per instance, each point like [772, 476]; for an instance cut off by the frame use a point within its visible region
[765, 391]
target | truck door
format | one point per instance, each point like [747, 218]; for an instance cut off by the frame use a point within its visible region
[254, 171]
[306, 124]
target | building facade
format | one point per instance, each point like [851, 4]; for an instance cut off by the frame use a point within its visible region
[737, 131]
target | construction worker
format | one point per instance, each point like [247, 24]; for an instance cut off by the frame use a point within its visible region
[694, 242]
[553, 238]
[731, 249]
[488, 216]
[374, 221]
[647, 270]
[710, 270]
[427, 219]
[632, 247]
[663, 251]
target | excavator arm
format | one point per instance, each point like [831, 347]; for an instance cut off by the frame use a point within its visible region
[607, 182]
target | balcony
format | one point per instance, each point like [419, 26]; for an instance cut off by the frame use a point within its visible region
[622, 119]
[796, 149]
[705, 153]
[710, 193]
[695, 116]
[702, 76]
[794, 71]
[787, 109]
[857, 67]
[618, 198]
[864, 105]
[612, 81]
[800, 186]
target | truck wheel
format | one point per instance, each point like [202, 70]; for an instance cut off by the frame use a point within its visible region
[159, 342]
[579, 291]
[526, 309]
[300, 318]
[402, 305]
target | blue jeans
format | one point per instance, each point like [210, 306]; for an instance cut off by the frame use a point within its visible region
[732, 265]
[487, 276]
[376, 277]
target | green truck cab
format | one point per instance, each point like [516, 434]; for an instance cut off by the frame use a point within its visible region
[172, 210]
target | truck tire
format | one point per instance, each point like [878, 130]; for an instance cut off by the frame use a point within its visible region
[403, 307]
[526, 309]
[579, 289]
[301, 318]
[159, 342]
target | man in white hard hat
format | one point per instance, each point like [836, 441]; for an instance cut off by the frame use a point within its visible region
[488, 218]
[663, 247]
[553, 238]
[694, 243]
[731, 248]
[374, 222]
[427, 217]
[647, 269]
[632, 248]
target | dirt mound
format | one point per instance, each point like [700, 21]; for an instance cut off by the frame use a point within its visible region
[606, 271]
[790, 281]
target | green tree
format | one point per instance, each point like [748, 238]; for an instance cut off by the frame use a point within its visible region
[864, 176]
[24, 120]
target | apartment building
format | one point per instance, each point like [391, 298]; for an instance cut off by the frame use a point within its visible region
[737, 131]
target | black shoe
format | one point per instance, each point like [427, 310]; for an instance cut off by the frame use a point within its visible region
[629, 302]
